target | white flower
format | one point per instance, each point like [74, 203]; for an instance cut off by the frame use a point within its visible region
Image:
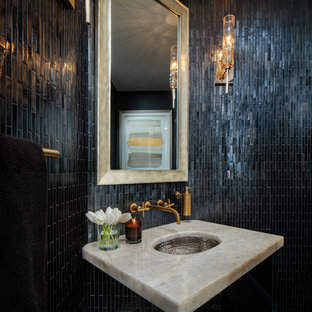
[110, 216]
[98, 217]
[125, 217]
[116, 213]
[90, 215]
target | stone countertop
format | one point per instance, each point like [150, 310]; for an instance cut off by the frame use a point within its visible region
[182, 283]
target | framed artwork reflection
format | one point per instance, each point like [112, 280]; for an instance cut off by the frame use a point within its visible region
[145, 140]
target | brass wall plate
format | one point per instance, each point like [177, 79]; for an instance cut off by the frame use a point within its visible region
[222, 82]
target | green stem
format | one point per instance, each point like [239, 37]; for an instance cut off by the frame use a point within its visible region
[109, 237]
[102, 241]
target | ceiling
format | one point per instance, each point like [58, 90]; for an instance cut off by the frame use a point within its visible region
[142, 33]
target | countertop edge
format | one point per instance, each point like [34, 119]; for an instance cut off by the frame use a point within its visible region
[195, 300]
[147, 292]
[227, 279]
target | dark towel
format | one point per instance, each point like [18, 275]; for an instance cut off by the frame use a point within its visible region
[23, 201]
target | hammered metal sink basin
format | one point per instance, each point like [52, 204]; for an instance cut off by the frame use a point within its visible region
[187, 244]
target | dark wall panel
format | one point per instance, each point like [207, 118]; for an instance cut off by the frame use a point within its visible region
[251, 162]
[250, 151]
[43, 98]
[145, 100]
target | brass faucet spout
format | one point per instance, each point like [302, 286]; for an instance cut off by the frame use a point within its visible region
[174, 212]
[165, 208]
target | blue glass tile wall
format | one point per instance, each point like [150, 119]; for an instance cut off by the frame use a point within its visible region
[251, 162]
[250, 151]
[43, 98]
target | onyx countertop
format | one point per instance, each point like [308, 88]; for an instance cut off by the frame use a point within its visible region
[182, 283]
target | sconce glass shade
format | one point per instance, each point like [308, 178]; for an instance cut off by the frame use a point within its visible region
[228, 40]
[173, 76]
[220, 66]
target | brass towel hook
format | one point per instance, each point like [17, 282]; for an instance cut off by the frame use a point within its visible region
[50, 152]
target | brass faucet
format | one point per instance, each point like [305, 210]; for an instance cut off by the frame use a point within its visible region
[159, 206]
[164, 207]
[135, 208]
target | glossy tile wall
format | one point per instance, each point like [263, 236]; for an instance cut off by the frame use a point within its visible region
[43, 98]
[250, 151]
[251, 162]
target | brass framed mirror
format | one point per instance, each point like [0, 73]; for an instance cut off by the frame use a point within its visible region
[129, 31]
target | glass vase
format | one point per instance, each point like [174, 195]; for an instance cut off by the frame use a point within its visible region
[108, 236]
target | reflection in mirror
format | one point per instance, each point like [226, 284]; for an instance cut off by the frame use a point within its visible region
[144, 113]
[141, 137]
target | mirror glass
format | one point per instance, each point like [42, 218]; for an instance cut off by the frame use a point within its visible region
[142, 76]
[144, 86]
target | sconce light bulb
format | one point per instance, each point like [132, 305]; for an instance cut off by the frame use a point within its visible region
[228, 40]
[173, 75]
[6, 45]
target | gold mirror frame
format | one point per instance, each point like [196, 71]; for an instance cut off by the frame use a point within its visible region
[106, 176]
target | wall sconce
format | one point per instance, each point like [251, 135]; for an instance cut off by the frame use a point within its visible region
[173, 76]
[225, 56]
